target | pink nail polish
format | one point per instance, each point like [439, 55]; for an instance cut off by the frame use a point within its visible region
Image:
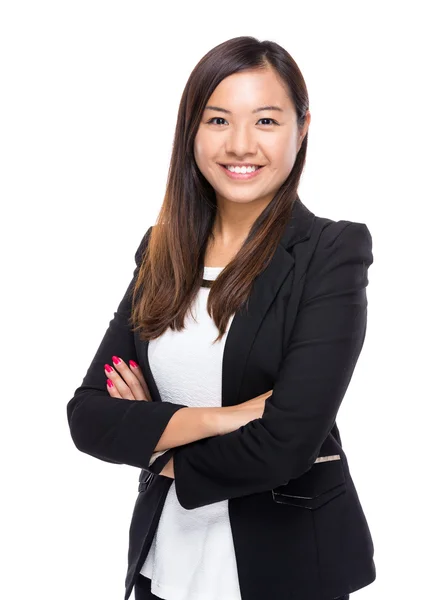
[116, 360]
[109, 383]
[133, 364]
[108, 368]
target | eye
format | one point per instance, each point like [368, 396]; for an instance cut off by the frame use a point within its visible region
[214, 118]
[268, 119]
[262, 119]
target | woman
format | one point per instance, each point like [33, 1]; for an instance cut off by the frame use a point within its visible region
[232, 350]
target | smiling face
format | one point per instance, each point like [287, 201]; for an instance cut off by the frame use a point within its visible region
[236, 129]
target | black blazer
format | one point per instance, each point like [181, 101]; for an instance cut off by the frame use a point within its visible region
[298, 527]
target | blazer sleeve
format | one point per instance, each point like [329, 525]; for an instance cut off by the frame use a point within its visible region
[317, 367]
[116, 430]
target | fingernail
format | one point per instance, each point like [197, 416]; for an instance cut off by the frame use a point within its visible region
[116, 360]
[108, 368]
[109, 383]
[133, 364]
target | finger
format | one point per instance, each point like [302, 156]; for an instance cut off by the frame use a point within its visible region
[111, 388]
[119, 384]
[137, 371]
[130, 378]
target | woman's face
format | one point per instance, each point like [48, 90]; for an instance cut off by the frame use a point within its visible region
[234, 133]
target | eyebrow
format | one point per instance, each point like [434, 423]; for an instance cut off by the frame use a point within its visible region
[259, 109]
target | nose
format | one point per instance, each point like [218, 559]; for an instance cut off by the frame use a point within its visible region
[241, 142]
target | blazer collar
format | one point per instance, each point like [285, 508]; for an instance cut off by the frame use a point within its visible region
[246, 321]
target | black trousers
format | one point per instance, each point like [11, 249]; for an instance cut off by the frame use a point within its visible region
[142, 590]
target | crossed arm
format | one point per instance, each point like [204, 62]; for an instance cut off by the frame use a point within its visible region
[321, 356]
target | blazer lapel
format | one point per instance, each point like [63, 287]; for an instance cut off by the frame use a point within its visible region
[246, 321]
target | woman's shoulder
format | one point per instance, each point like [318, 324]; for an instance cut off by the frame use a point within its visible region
[343, 231]
[341, 240]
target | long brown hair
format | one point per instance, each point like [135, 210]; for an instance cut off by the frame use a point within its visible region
[171, 270]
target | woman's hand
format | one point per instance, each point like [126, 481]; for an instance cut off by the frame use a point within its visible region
[125, 381]
[230, 418]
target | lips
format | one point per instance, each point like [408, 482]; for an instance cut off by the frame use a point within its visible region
[241, 176]
[258, 166]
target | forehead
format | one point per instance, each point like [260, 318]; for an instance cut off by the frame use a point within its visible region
[247, 90]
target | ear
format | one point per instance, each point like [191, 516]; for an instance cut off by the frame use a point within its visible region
[304, 130]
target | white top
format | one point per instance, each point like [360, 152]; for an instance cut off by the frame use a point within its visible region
[192, 554]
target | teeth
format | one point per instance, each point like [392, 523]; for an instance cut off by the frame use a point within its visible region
[241, 169]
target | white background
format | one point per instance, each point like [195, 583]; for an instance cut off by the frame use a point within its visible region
[89, 99]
